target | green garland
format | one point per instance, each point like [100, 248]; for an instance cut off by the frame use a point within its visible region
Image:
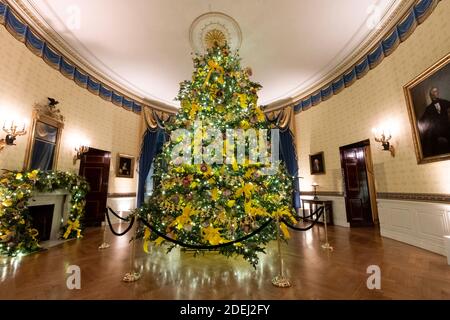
[17, 235]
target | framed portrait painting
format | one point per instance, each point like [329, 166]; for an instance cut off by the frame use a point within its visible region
[316, 163]
[428, 101]
[125, 166]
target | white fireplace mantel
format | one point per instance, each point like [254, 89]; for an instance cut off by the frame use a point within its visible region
[61, 201]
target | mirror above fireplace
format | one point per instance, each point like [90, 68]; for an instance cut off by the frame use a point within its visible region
[43, 144]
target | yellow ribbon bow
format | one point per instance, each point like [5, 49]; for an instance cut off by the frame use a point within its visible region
[72, 225]
[212, 235]
[184, 218]
[34, 233]
[6, 237]
[284, 211]
[243, 100]
[146, 239]
[194, 109]
[245, 189]
[285, 231]
[214, 66]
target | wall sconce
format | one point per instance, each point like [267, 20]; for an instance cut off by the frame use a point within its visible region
[79, 151]
[383, 136]
[80, 145]
[315, 185]
[12, 132]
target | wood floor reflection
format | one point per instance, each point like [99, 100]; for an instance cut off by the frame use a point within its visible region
[407, 272]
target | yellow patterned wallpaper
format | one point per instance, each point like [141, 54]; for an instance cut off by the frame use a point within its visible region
[26, 79]
[376, 98]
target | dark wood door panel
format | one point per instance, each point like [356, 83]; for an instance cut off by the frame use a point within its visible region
[95, 168]
[96, 158]
[356, 186]
[94, 176]
[351, 170]
[356, 209]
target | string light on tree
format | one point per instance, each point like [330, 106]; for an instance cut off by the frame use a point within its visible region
[216, 203]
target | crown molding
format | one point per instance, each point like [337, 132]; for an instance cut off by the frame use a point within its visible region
[389, 21]
[30, 16]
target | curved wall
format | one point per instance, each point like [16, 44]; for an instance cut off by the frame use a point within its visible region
[25, 79]
[405, 189]
[376, 98]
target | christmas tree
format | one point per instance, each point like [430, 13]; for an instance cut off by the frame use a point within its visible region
[212, 183]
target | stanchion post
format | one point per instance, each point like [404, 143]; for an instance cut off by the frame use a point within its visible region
[4, 260]
[280, 280]
[104, 245]
[326, 245]
[132, 275]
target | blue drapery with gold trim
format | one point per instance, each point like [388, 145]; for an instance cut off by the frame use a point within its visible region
[282, 119]
[153, 138]
[289, 157]
[148, 153]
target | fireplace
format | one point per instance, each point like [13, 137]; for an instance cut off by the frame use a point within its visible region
[42, 217]
[49, 211]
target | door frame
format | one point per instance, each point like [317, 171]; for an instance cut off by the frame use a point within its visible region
[370, 182]
[82, 161]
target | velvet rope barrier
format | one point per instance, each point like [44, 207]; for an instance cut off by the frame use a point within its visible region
[119, 234]
[203, 247]
[116, 215]
[318, 212]
[298, 218]
[321, 209]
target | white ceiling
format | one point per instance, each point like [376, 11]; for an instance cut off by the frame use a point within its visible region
[144, 46]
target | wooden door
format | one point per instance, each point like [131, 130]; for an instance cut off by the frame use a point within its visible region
[356, 185]
[94, 167]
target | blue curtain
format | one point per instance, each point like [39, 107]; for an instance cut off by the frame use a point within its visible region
[42, 157]
[289, 156]
[149, 150]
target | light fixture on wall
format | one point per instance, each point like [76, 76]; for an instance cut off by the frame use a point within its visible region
[81, 146]
[12, 131]
[79, 151]
[315, 185]
[383, 136]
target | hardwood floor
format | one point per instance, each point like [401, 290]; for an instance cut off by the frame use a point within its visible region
[407, 272]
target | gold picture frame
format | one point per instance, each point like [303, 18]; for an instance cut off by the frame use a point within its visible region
[428, 103]
[125, 166]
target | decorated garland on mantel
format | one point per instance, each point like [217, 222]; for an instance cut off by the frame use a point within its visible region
[17, 236]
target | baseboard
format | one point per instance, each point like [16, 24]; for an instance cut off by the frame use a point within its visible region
[421, 243]
[421, 224]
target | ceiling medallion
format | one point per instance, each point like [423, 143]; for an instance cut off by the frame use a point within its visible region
[214, 36]
[214, 27]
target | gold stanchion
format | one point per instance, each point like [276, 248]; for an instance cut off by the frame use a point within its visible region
[133, 275]
[326, 245]
[104, 245]
[4, 261]
[280, 280]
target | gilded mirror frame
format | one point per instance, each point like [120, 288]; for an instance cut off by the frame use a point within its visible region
[51, 116]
